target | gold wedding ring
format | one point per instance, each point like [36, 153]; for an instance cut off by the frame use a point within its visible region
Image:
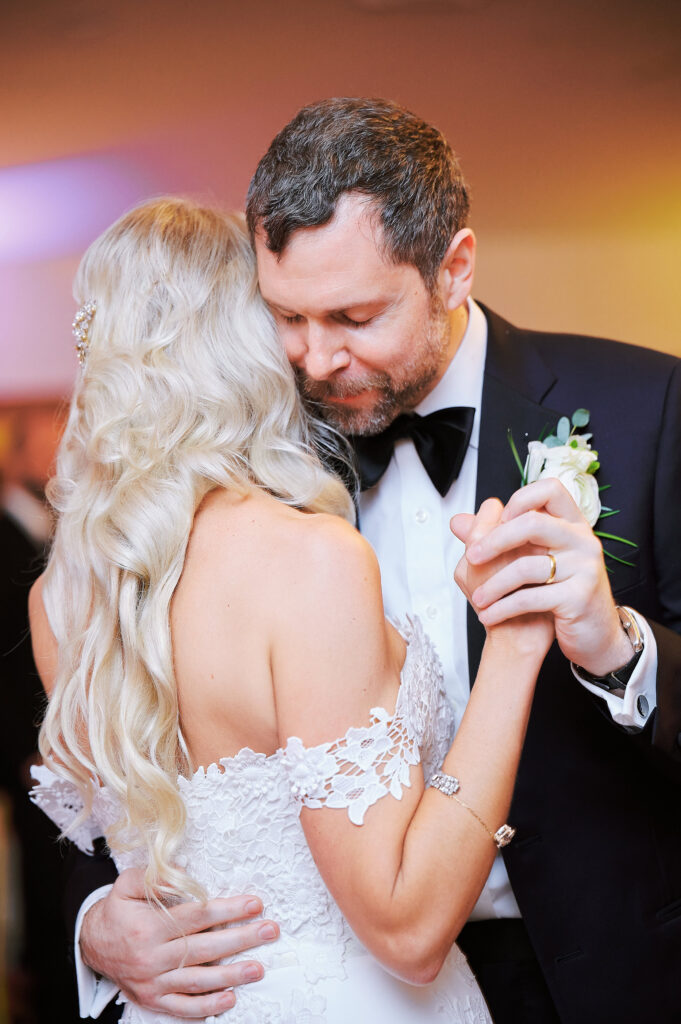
[552, 573]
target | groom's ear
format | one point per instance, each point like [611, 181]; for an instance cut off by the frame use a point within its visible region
[455, 277]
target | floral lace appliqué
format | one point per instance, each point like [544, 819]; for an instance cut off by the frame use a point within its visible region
[373, 761]
[61, 801]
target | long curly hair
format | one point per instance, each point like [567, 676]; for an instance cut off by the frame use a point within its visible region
[185, 388]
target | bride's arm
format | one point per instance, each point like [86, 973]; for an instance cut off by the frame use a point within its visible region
[408, 878]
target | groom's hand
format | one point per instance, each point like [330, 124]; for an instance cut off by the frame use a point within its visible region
[544, 515]
[167, 962]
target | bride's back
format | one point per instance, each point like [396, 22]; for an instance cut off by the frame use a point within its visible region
[241, 555]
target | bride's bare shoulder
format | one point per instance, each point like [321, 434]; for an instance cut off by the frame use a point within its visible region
[255, 518]
[252, 539]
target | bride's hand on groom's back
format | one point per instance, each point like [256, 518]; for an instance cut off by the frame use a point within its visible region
[167, 961]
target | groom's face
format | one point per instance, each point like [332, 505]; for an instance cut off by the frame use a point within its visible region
[365, 336]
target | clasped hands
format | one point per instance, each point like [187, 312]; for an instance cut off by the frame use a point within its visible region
[513, 551]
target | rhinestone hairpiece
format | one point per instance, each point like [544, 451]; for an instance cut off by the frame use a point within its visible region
[81, 328]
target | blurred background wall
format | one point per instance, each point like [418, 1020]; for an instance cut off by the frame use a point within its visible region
[565, 114]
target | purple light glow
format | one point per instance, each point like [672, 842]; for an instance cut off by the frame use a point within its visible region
[54, 209]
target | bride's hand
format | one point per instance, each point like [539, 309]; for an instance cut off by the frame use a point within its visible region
[522, 634]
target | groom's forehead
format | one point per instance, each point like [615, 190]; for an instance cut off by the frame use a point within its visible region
[338, 284]
[342, 258]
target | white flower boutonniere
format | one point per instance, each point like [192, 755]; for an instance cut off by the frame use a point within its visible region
[568, 456]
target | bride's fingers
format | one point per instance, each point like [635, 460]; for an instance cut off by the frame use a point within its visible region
[549, 495]
[530, 570]
[469, 528]
[485, 521]
[461, 525]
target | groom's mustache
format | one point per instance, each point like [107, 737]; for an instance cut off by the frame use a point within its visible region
[323, 390]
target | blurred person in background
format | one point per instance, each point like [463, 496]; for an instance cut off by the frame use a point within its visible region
[39, 969]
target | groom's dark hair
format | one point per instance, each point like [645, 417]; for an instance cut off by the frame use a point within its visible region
[369, 146]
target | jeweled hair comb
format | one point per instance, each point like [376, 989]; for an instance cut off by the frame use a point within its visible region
[81, 329]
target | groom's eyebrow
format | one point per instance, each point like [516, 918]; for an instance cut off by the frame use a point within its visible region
[278, 308]
[371, 306]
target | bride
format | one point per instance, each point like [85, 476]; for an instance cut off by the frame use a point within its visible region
[228, 705]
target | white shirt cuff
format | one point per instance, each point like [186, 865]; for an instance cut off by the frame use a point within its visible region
[640, 696]
[94, 992]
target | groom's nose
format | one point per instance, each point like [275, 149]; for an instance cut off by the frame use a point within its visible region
[323, 352]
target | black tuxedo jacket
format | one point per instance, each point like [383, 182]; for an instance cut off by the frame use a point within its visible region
[596, 862]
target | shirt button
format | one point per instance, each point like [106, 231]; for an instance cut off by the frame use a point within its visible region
[421, 515]
[642, 706]
[431, 611]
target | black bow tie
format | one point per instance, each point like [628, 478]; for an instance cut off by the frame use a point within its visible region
[441, 440]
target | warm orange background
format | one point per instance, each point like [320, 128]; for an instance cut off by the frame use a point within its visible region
[565, 115]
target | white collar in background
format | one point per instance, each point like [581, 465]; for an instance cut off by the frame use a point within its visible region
[29, 512]
[462, 381]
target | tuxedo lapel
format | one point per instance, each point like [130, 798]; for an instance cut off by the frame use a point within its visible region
[516, 383]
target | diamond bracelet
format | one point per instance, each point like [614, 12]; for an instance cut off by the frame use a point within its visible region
[450, 786]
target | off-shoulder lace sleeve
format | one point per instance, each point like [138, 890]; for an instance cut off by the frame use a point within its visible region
[61, 801]
[373, 761]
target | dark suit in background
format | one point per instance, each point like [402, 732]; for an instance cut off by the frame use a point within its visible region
[47, 979]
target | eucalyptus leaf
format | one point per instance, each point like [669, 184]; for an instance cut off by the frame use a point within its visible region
[552, 441]
[563, 429]
[613, 536]
[616, 558]
[580, 417]
[509, 435]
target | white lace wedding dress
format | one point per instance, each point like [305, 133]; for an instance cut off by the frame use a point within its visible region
[244, 836]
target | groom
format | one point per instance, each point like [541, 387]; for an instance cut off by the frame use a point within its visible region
[358, 213]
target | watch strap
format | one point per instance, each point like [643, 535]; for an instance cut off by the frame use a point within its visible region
[615, 682]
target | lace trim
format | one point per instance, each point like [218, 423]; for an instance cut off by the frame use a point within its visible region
[61, 801]
[368, 763]
[350, 773]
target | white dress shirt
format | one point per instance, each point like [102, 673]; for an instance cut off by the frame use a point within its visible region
[407, 523]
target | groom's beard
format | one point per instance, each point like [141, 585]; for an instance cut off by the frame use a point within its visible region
[395, 393]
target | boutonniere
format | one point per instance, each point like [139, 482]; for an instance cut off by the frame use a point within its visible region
[568, 456]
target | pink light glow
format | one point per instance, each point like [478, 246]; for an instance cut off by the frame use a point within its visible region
[53, 209]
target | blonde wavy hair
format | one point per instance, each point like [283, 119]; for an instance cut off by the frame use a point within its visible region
[185, 388]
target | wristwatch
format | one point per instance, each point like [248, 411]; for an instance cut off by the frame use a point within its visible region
[616, 682]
